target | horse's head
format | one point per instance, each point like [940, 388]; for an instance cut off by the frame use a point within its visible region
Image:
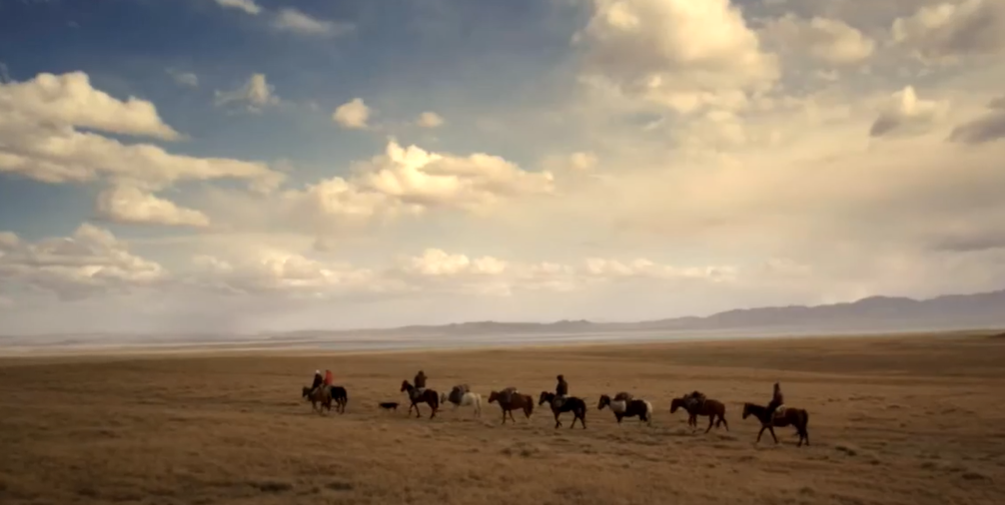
[306, 392]
[746, 410]
[676, 404]
[545, 397]
[604, 401]
[405, 386]
[493, 396]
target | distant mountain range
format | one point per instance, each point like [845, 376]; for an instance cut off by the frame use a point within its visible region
[878, 314]
[981, 310]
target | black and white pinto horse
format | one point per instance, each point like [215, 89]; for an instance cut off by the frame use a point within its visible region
[630, 407]
[461, 396]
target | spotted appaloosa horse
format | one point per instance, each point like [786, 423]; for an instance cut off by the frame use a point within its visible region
[466, 399]
[570, 404]
[769, 418]
[516, 401]
[428, 396]
[628, 408]
[714, 409]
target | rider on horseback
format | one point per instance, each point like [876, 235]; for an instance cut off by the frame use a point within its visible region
[561, 391]
[420, 383]
[777, 400]
[318, 380]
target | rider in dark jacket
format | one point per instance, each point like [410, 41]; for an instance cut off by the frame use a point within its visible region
[318, 380]
[777, 400]
[420, 380]
[561, 390]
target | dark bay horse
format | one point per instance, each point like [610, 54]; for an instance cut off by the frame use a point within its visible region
[623, 406]
[714, 409]
[322, 396]
[769, 418]
[340, 397]
[571, 404]
[428, 396]
[517, 401]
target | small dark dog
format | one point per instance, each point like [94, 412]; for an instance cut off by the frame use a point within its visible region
[389, 406]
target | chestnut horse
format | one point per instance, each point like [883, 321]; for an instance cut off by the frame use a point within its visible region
[428, 396]
[571, 404]
[714, 409]
[517, 401]
[322, 395]
[769, 418]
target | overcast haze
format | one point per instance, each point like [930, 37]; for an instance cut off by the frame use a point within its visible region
[257, 165]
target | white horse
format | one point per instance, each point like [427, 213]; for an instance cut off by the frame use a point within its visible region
[469, 399]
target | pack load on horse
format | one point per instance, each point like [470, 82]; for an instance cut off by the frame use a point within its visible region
[457, 393]
[694, 400]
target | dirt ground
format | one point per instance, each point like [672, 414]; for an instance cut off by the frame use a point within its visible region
[911, 421]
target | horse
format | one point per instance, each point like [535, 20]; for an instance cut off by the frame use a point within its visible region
[340, 397]
[467, 399]
[428, 396]
[628, 408]
[516, 401]
[322, 395]
[769, 418]
[571, 404]
[714, 409]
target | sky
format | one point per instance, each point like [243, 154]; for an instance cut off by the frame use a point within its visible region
[272, 165]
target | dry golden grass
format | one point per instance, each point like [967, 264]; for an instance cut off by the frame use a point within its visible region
[892, 421]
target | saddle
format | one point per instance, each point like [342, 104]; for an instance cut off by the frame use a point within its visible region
[457, 393]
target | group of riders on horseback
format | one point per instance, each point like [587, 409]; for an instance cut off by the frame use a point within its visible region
[692, 400]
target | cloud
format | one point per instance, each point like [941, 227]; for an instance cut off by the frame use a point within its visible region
[986, 128]
[828, 40]
[906, 114]
[677, 53]
[40, 140]
[292, 20]
[429, 120]
[248, 6]
[127, 204]
[92, 261]
[188, 79]
[68, 100]
[353, 114]
[950, 31]
[256, 93]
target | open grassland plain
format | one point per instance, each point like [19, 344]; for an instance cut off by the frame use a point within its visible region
[904, 420]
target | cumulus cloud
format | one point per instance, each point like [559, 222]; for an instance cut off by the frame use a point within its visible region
[949, 31]
[677, 53]
[128, 204]
[256, 93]
[91, 261]
[40, 139]
[248, 6]
[429, 120]
[906, 114]
[829, 40]
[353, 114]
[986, 128]
[294, 21]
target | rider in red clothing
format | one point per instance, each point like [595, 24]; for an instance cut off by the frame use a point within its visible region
[328, 377]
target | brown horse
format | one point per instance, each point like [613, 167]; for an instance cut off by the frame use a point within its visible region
[769, 418]
[571, 404]
[517, 401]
[428, 396]
[714, 409]
[322, 396]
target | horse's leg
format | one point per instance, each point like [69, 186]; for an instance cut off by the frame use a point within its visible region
[710, 419]
[772, 430]
[722, 419]
[434, 411]
[759, 433]
[557, 422]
